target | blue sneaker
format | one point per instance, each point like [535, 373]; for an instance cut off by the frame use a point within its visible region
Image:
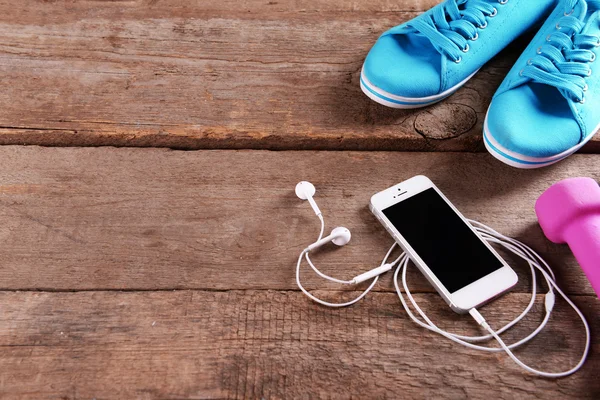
[549, 104]
[431, 56]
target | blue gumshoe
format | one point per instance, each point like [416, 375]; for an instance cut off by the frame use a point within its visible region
[429, 57]
[549, 104]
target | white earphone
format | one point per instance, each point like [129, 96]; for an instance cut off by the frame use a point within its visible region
[306, 191]
[341, 236]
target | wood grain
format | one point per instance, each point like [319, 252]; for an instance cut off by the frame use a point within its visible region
[267, 344]
[155, 274]
[157, 219]
[185, 74]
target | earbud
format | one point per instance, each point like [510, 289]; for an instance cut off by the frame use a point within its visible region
[339, 236]
[305, 191]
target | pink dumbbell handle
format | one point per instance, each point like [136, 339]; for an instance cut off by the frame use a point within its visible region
[582, 236]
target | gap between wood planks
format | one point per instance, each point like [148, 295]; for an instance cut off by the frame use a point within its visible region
[278, 75]
[152, 219]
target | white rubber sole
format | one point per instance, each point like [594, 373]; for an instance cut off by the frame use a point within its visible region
[391, 100]
[521, 161]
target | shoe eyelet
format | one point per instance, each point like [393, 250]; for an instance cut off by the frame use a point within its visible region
[585, 88]
[494, 13]
[539, 50]
[589, 73]
[483, 26]
[566, 14]
[548, 38]
[474, 38]
[582, 101]
[598, 42]
[558, 26]
[466, 49]
[458, 60]
[521, 72]
[529, 62]
[593, 58]
[503, 2]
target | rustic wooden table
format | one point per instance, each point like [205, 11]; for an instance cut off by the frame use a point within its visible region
[154, 272]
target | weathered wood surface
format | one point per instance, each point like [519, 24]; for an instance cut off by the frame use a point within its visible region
[227, 74]
[152, 273]
[267, 344]
[145, 273]
[148, 219]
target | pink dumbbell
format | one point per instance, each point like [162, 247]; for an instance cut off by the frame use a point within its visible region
[569, 212]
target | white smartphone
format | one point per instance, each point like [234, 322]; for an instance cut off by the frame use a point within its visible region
[465, 270]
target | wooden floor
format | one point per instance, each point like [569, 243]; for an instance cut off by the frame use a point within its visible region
[130, 268]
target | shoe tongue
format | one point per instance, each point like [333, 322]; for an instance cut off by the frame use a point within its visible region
[586, 11]
[419, 45]
[593, 18]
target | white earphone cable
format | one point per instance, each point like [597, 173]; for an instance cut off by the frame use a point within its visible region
[327, 277]
[534, 260]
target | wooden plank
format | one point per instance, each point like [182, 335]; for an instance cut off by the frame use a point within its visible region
[204, 74]
[156, 219]
[268, 344]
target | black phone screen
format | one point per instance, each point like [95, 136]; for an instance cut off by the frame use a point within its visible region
[451, 250]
